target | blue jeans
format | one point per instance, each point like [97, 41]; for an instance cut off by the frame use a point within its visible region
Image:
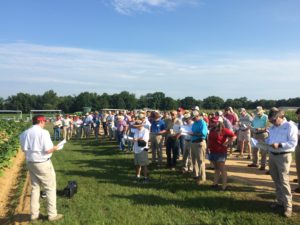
[181, 145]
[121, 140]
[56, 134]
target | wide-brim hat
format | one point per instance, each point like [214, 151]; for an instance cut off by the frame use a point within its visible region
[259, 110]
[242, 110]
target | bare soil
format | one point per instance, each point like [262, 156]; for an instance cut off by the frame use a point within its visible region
[9, 184]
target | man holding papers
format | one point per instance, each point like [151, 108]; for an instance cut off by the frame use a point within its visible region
[38, 147]
[283, 137]
[157, 129]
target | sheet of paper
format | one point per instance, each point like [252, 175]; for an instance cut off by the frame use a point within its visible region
[185, 130]
[61, 144]
[126, 137]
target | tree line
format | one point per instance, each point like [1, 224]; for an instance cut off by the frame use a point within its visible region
[125, 100]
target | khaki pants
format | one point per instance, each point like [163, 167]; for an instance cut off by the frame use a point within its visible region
[66, 133]
[42, 174]
[279, 171]
[263, 159]
[255, 151]
[187, 156]
[198, 151]
[297, 159]
[156, 147]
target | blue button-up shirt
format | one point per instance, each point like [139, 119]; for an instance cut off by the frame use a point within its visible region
[260, 122]
[199, 127]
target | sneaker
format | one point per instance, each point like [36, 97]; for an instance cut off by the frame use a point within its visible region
[252, 165]
[57, 217]
[288, 213]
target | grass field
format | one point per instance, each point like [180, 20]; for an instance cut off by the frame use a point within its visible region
[108, 195]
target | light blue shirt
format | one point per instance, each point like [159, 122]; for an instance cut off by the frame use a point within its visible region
[286, 134]
[199, 127]
[260, 122]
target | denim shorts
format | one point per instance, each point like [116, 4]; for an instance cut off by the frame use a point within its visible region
[217, 157]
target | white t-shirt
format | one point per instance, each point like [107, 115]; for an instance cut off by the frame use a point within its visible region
[144, 134]
[35, 142]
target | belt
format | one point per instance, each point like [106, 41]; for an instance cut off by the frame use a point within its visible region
[279, 153]
[40, 162]
[260, 132]
[188, 140]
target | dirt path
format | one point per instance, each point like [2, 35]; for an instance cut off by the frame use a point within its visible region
[238, 170]
[9, 183]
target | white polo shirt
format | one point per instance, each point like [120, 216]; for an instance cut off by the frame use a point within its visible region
[144, 134]
[35, 142]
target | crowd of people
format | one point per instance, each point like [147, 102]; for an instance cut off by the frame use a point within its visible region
[190, 137]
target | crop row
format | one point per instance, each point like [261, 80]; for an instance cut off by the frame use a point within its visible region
[9, 140]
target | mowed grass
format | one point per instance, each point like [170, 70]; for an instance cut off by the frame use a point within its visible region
[108, 195]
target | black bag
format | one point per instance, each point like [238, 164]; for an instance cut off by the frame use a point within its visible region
[142, 143]
[70, 189]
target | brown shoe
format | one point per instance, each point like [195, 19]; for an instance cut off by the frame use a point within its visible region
[57, 217]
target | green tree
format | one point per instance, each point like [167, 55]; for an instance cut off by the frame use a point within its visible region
[50, 100]
[67, 104]
[213, 102]
[21, 101]
[129, 100]
[1, 103]
[188, 102]
[86, 99]
[104, 101]
[168, 103]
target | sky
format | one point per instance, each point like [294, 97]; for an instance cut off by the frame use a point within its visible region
[197, 48]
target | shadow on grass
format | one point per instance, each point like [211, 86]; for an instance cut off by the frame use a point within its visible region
[203, 202]
[121, 172]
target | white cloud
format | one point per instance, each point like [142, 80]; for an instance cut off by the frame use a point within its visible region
[36, 68]
[128, 7]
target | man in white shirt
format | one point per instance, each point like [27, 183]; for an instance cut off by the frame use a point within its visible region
[38, 147]
[282, 141]
[140, 151]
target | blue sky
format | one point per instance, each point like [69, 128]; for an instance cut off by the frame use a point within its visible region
[199, 48]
